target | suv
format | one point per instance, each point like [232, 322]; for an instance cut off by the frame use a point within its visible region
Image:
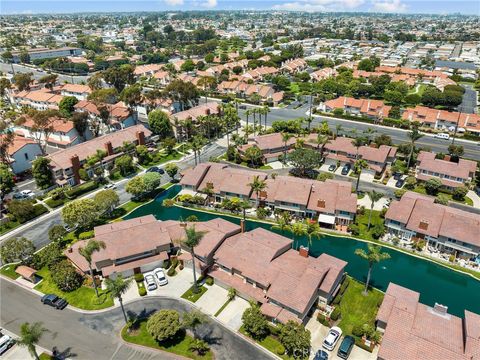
[332, 338]
[346, 168]
[332, 167]
[6, 342]
[54, 301]
[150, 282]
[346, 347]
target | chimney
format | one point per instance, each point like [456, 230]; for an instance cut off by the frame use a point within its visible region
[262, 194]
[108, 147]
[70, 250]
[207, 111]
[447, 158]
[303, 251]
[321, 204]
[75, 168]
[140, 135]
[440, 309]
[242, 225]
[423, 225]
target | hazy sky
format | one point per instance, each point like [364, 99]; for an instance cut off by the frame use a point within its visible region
[391, 6]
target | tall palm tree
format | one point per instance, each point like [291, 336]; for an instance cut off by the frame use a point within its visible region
[283, 222]
[117, 287]
[30, 335]
[197, 145]
[192, 319]
[298, 229]
[374, 197]
[321, 140]
[368, 133]
[266, 110]
[206, 82]
[358, 142]
[193, 238]
[285, 138]
[92, 247]
[312, 229]
[359, 165]
[247, 114]
[254, 112]
[413, 135]
[257, 185]
[373, 255]
[338, 128]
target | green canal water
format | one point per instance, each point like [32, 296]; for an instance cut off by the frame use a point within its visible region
[434, 282]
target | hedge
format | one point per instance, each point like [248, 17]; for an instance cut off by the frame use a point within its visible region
[38, 210]
[86, 235]
[139, 277]
[209, 281]
[81, 189]
[323, 320]
[335, 315]
[55, 203]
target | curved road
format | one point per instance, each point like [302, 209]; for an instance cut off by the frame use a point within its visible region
[96, 336]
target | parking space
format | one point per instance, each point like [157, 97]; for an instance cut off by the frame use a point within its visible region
[177, 284]
[378, 206]
[231, 316]
[212, 300]
[392, 181]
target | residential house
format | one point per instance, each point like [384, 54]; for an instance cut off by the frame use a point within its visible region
[415, 331]
[262, 266]
[21, 153]
[120, 116]
[417, 217]
[45, 53]
[162, 77]
[451, 174]
[41, 99]
[341, 150]
[373, 109]
[323, 74]
[81, 92]
[295, 66]
[131, 247]
[193, 114]
[259, 73]
[66, 163]
[147, 70]
[442, 119]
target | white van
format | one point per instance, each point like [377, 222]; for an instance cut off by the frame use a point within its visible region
[443, 136]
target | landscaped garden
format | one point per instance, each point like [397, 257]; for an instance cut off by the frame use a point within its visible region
[360, 227]
[270, 342]
[192, 296]
[9, 271]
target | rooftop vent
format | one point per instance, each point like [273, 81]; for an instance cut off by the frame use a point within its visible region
[440, 309]
[321, 203]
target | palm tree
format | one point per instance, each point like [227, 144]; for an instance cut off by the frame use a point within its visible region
[312, 229]
[117, 287]
[192, 319]
[247, 114]
[197, 145]
[266, 110]
[321, 140]
[193, 238]
[374, 197]
[283, 222]
[30, 335]
[309, 120]
[338, 128]
[369, 132]
[254, 113]
[359, 165]
[373, 255]
[298, 229]
[257, 185]
[92, 247]
[285, 138]
[413, 135]
[206, 82]
[358, 142]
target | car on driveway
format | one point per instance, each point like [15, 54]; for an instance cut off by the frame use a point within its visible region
[156, 169]
[321, 355]
[54, 301]
[160, 276]
[346, 169]
[332, 167]
[332, 338]
[6, 342]
[397, 176]
[28, 194]
[346, 347]
[399, 183]
[150, 282]
[110, 186]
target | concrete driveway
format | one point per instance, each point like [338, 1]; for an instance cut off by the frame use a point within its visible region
[213, 299]
[231, 316]
[365, 201]
[177, 284]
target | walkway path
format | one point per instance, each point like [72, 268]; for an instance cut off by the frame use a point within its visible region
[475, 198]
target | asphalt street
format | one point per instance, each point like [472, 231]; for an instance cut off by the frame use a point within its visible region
[469, 100]
[96, 336]
[399, 136]
[37, 230]
[37, 74]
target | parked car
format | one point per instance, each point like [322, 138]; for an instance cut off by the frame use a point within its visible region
[397, 176]
[6, 342]
[110, 186]
[150, 282]
[321, 355]
[443, 136]
[332, 167]
[18, 196]
[156, 169]
[399, 183]
[332, 338]
[69, 228]
[242, 107]
[160, 275]
[346, 169]
[28, 194]
[346, 347]
[54, 301]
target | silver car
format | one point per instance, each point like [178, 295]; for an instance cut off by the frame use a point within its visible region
[150, 282]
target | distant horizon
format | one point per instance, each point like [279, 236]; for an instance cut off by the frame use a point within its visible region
[393, 7]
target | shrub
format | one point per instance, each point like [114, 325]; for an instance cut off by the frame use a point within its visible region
[174, 263]
[86, 235]
[164, 324]
[337, 299]
[451, 258]
[81, 189]
[336, 313]
[171, 271]
[166, 264]
[323, 320]
[460, 193]
[209, 281]
[65, 276]
[399, 193]
[361, 210]
[344, 286]
[139, 277]
[280, 350]
[141, 289]
[358, 330]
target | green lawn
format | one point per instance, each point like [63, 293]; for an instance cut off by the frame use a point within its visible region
[180, 345]
[265, 167]
[45, 356]
[161, 159]
[191, 296]
[420, 91]
[82, 298]
[358, 309]
[219, 311]
[9, 271]
[269, 342]
[8, 226]
[362, 221]
[421, 190]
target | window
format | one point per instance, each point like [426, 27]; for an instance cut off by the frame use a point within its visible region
[26, 156]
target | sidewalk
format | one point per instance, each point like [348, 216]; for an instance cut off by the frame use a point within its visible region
[475, 198]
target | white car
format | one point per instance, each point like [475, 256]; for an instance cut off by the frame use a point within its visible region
[150, 282]
[110, 186]
[443, 136]
[334, 334]
[160, 276]
[27, 193]
[6, 342]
